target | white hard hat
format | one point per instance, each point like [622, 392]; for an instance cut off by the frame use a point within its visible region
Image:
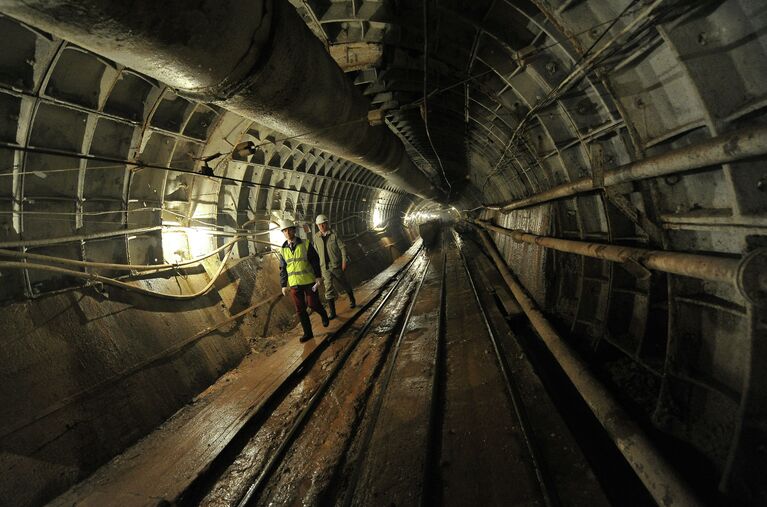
[321, 219]
[286, 224]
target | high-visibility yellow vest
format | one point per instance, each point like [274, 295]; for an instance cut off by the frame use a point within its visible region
[299, 268]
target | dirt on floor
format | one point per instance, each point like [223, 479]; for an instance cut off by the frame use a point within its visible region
[307, 473]
[364, 445]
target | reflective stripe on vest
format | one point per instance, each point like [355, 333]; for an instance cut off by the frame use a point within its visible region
[297, 263]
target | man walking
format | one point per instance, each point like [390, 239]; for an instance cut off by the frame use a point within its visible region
[333, 260]
[301, 276]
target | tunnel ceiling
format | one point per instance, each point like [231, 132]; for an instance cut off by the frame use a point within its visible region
[87, 180]
[497, 124]
[640, 77]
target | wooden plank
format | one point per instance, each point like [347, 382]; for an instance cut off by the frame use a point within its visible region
[161, 467]
[356, 55]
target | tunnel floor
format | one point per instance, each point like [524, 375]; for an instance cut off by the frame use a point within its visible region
[403, 402]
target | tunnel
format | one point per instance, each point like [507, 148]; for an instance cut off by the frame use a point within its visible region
[554, 215]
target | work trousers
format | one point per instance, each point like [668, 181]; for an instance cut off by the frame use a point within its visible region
[331, 277]
[304, 296]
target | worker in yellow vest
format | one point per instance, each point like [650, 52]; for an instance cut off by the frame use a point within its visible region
[301, 276]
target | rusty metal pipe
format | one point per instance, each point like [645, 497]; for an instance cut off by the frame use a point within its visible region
[660, 479]
[704, 267]
[737, 145]
[256, 58]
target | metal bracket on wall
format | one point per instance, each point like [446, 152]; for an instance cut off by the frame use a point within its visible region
[633, 266]
[625, 206]
[597, 155]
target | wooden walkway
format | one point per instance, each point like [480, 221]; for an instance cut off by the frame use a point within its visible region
[160, 467]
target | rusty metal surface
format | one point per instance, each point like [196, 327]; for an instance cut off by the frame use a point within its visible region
[529, 260]
[715, 269]
[273, 70]
[664, 484]
[727, 148]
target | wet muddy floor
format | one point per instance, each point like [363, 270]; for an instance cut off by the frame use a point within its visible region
[419, 413]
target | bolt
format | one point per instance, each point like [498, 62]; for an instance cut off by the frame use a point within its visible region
[551, 68]
[702, 39]
[762, 184]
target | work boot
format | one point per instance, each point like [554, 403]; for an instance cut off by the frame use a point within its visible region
[352, 302]
[324, 316]
[307, 325]
[332, 307]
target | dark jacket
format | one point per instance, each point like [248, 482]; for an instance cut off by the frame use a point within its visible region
[311, 255]
[336, 249]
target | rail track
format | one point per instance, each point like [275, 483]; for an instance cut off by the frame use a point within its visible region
[416, 405]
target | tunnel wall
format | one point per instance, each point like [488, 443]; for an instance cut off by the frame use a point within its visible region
[85, 373]
[88, 369]
[84, 376]
[528, 261]
[566, 91]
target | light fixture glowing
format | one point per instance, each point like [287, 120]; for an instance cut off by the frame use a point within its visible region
[276, 237]
[377, 217]
[175, 246]
[200, 241]
[183, 243]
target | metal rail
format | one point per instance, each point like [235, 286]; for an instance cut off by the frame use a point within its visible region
[430, 473]
[746, 274]
[352, 486]
[545, 482]
[704, 267]
[658, 476]
[257, 486]
[738, 145]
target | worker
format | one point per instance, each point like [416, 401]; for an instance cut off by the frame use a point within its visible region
[301, 276]
[333, 260]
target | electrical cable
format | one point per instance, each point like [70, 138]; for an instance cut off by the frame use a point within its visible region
[143, 268]
[527, 56]
[118, 283]
[108, 265]
[142, 165]
[425, 94]
[580, 70]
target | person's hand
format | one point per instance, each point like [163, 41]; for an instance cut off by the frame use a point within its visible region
[285, 291]
[317, 282]
[343, 265]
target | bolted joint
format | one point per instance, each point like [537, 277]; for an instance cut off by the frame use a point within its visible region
[752, 277]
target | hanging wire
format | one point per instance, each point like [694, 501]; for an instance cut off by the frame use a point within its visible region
[143, 165]
[529, 55]
[580, 70]
[425, 107]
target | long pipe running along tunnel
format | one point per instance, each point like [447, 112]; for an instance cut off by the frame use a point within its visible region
[555, 213]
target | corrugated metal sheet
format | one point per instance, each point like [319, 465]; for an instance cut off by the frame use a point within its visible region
[527, 261]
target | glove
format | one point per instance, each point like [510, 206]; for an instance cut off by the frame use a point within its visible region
[316, 285]
[285, 291]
